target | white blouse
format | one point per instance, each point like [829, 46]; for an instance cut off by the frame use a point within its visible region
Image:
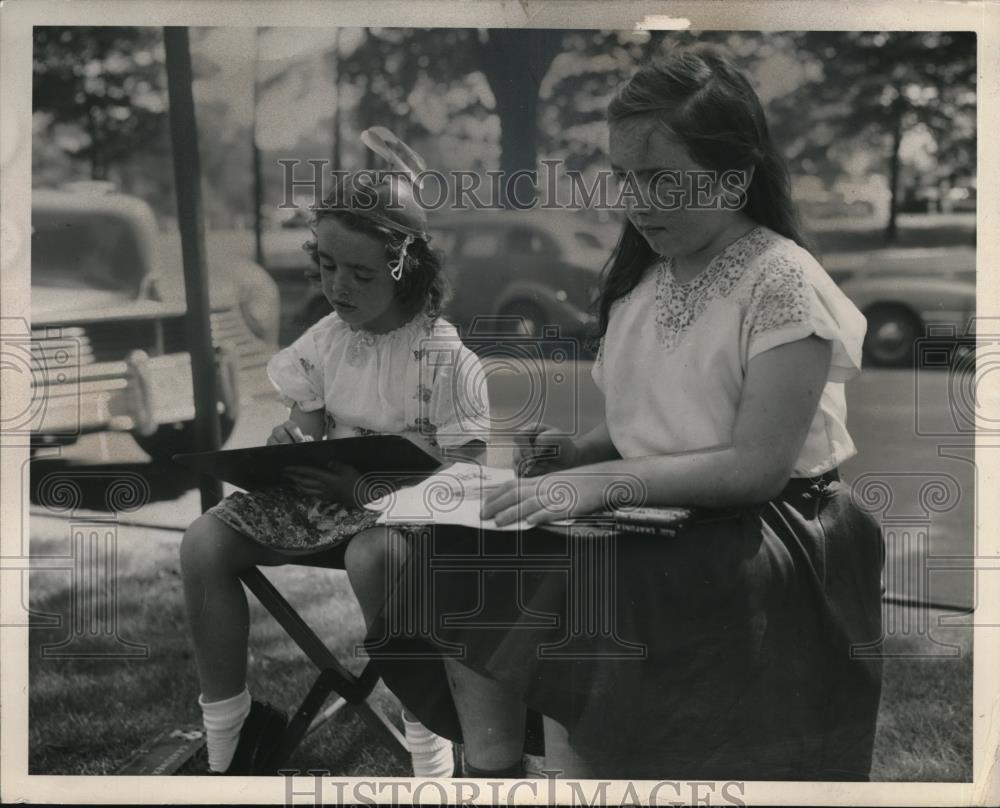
[672, 362]
[419, 380]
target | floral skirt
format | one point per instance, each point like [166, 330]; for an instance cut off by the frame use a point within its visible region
[745, 647]
[282, 518]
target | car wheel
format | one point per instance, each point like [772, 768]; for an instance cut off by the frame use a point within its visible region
[531, 316]
[892, 332]
[171, 439]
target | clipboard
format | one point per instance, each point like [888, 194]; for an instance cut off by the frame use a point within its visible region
[259, 466]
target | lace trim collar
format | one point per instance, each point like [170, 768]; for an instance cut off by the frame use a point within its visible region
[679, 305]
[712, 268]
[361, 340]
[420, 320]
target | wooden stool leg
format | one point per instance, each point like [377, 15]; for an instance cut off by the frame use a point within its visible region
[301, 722]
[379, 722]
[333, 678]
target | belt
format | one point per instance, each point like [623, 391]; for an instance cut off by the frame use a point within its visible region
[801, 485]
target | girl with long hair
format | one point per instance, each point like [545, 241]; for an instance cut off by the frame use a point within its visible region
[745, 646]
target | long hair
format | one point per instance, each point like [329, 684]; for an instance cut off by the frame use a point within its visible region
[710, 106]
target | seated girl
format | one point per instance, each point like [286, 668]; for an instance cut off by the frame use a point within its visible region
[384, 362]
[745, 647]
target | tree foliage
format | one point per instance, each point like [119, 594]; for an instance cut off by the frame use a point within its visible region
[500, 98]
[393, 64]
[872, 88]
[108, 82]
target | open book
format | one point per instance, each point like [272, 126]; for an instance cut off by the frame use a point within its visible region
[454, 495]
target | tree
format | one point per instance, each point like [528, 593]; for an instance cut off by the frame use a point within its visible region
[515, 62]
[874, 87]
[391, 63]
[108, 83]
[590, 67]
[594, 64]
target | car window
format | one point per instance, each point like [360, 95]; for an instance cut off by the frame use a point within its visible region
[480, 244]
[85, 252]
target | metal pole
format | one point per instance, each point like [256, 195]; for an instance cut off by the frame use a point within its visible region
[197, 321]
[337, 95]
[258, 181]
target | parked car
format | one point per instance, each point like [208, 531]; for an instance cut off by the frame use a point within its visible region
[523, 270]
[107, 322]
[528, 269]
[904, 291]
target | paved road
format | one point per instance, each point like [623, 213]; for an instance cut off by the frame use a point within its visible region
[909, 435]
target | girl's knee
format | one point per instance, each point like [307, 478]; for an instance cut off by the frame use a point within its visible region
[366, 552]
[206, 546]
[373, 551]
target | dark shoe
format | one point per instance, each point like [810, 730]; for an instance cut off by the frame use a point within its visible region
[260, 742]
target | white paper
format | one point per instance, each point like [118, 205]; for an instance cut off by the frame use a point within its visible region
[452, 496]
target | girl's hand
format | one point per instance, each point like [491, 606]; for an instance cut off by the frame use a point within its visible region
[300, 426]
[338, 484]
[544, 452]
[288, 432]
[545, 499]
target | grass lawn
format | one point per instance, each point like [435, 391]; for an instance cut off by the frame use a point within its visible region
[88, 716]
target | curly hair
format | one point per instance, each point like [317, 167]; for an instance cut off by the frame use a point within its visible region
[423, 286]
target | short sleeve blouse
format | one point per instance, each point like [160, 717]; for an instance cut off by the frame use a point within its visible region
[672, 362]
[418, 380]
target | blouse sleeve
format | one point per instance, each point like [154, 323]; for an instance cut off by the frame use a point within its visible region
[297, 372]
[459, 404]
[795, 299]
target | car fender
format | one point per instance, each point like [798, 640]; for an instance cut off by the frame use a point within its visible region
[930, 298]
[563, 312]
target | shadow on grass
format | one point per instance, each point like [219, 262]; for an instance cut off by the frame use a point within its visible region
[92, 482]
[87, 716]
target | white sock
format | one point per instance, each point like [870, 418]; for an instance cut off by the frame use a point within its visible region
[223, 722]
[431, 754]
[533, 766]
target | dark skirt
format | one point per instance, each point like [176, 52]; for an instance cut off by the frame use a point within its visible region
[745, 647]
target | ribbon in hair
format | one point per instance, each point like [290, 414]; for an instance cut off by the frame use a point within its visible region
[396, 267]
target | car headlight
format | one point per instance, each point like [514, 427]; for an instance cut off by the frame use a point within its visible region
[260, 307]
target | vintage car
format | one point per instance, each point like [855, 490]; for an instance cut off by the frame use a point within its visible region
[907, 294]
[522, 270]
[109, 347]
[527, 269]
[538, 268]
